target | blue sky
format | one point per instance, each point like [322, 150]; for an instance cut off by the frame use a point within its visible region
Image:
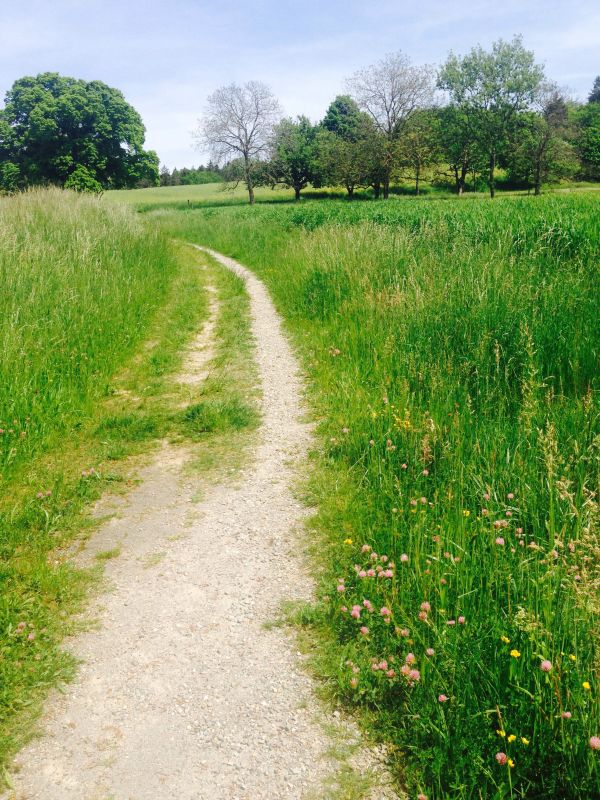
[168, 55]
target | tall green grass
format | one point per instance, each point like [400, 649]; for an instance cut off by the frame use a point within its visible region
[80, 281]
[452, 355]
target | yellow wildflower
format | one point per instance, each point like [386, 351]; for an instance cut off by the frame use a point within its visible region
[515, 654]
[586, 686]
[511, 738]
[572, 657]
[466, 513]
[511, 763]
[524, 740]
[347, 541]
[505, 639]
[501, 733]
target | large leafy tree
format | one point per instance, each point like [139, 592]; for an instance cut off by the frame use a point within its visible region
[490, 89]
[74, 133]
[293, 154]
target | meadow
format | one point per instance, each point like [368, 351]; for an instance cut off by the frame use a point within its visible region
[451, 353]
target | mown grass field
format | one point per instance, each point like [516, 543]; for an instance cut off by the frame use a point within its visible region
[451, 350]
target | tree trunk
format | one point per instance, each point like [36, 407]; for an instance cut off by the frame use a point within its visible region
[386, 187]
[377, 190]
[461, 179]
[417, 176]
[350, 190]
[248, 177]
[297, 193]
[491, 175]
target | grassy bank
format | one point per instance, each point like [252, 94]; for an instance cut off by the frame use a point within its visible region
[452, 353]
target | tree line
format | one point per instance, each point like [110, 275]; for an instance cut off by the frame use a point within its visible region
[479, 112]
[190, 176]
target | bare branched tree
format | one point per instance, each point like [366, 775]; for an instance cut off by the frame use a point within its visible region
[391, 91]
[237, 125]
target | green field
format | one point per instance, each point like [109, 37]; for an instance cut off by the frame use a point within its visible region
[451, 356]
[451, 349]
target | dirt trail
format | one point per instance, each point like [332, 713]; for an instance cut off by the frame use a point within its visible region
[183, 694]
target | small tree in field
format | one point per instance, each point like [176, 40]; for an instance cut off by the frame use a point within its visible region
[419, 146]
[238, 124]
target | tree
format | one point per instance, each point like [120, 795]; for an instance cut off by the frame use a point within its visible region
[594, 96]
[419, 146]
[238, 123]
[458, 143]
[343, 117]
[540, 150]
[391, 91]
[587, 140]
[492, 89]
[61, 130]
[293, 154]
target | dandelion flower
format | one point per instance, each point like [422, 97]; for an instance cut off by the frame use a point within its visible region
[501, 733]
[572, 658]
[515, 654]
[505, 639]
[524, 740]
[586, 686]
[511, 763]
[511, 738]
[347, 541]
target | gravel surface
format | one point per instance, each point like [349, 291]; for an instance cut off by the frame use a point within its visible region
[183, 693]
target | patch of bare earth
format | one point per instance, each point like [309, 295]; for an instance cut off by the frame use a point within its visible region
[183, 693]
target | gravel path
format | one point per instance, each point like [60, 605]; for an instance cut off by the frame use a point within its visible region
[183, 694]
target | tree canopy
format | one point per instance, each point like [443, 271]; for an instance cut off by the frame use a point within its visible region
[74, 133]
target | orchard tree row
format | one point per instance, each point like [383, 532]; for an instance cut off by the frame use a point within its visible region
[398, 121]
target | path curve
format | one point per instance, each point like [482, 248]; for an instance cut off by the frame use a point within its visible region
[182, 693]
